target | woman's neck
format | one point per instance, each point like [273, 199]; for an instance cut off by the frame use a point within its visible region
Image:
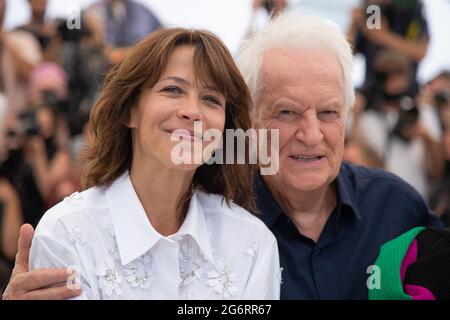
[160, 190]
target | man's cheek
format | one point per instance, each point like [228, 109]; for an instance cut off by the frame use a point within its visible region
[335, 140]
[286, 135]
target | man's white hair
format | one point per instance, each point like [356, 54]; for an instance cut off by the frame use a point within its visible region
[293, 30]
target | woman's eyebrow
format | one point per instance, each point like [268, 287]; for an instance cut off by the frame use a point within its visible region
[177, 79]
[186, 82]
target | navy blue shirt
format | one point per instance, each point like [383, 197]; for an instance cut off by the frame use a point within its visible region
[373, 207]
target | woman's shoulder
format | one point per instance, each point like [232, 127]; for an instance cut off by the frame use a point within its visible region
[75, 210]
[231, 216]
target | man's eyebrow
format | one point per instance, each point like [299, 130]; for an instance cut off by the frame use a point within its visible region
[332, 101]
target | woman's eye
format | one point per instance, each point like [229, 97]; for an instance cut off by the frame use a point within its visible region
[213, 100]
[173, 90]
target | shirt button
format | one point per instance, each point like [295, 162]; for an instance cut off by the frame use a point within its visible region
[317, 252]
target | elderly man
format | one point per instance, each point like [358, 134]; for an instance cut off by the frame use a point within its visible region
[330, 219]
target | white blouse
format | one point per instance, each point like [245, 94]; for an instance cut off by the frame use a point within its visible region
[104, 234]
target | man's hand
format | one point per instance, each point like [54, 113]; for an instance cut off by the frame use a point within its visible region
[49, 284]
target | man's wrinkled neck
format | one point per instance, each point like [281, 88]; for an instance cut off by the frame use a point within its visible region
[309, 210]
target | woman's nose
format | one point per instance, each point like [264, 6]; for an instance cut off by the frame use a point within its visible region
[190, 110]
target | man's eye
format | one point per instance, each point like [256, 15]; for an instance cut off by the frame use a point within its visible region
[173, 89]
[329, 115]
[286, 115]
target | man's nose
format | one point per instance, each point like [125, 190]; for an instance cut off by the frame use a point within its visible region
[309, 132]
[190, 110]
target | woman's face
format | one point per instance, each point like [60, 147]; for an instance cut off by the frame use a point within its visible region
[176, 101]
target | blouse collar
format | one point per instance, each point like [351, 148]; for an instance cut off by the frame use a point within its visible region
[134, 233]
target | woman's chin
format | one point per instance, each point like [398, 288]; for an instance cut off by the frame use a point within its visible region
[188, 167]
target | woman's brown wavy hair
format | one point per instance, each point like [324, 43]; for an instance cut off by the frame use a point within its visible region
[110, 154]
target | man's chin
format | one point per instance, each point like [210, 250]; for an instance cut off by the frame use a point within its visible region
[307, 181]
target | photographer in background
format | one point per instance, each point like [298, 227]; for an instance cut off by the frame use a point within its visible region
[10, 208]
[19, 54]
[119, 24]
[48, 151]
[85, 62]
[15, 167]
[40, 29]
[405, 135]
[437, 93]
[440, 197]
[403, 29]
[10, 222]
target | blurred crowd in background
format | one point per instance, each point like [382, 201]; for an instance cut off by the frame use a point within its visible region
[50, 77]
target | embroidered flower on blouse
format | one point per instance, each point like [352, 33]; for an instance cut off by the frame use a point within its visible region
[187, 250]
[145, 259]
[202, 255]
[138, 273]
[137, 277]
[80, 236]
[109, 279]
[190, 263]
[221, 280]
[195, 273]
[252, 251]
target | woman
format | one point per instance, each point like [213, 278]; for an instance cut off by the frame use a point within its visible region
[148, 228]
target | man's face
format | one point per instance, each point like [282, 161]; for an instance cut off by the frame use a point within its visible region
[301, 93]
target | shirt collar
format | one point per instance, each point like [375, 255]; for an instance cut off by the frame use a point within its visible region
[344, 193]
[271, 210]
[134, 233]
[195, 225]
[267, 205]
